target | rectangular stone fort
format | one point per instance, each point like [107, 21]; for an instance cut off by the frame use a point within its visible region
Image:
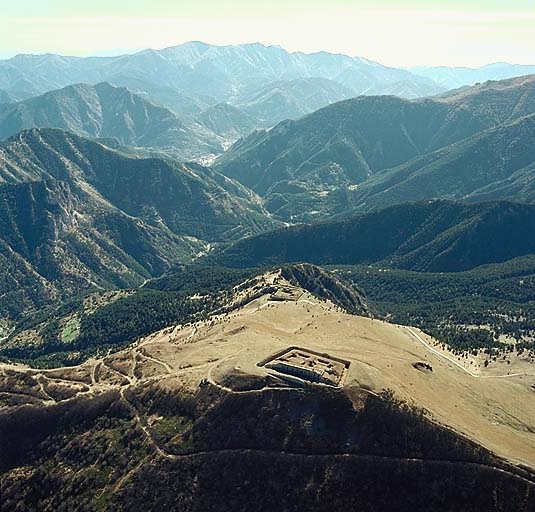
[308, 365]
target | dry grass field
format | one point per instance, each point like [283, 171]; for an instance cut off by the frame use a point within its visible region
[495, 408]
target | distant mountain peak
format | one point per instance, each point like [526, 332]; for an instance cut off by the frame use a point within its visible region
[108, 111]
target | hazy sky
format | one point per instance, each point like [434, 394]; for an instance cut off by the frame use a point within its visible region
[394, 32]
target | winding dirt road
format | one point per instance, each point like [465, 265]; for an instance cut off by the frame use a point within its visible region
[415, 335]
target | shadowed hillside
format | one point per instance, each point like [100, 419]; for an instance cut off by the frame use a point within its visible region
[335, 159]
[76, 216]
[437, 236]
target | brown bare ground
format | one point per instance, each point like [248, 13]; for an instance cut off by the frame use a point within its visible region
[497, 409]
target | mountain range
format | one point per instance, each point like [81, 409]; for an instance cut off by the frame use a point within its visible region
[498, 163]
[342, 156]
[289, 99]
[93, 195]
[198, 69]
[431, 236]
[265, 83]
[194, 75]
[77, 215]
[454, 77]
[104, 111]
[227, 121]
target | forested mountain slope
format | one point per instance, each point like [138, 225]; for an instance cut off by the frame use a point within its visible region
[309, 168]
[76, 215]
[437, 236]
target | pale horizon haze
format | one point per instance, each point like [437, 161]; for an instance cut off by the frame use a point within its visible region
[402, 34]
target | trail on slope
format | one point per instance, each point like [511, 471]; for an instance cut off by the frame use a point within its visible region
[459, 365]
